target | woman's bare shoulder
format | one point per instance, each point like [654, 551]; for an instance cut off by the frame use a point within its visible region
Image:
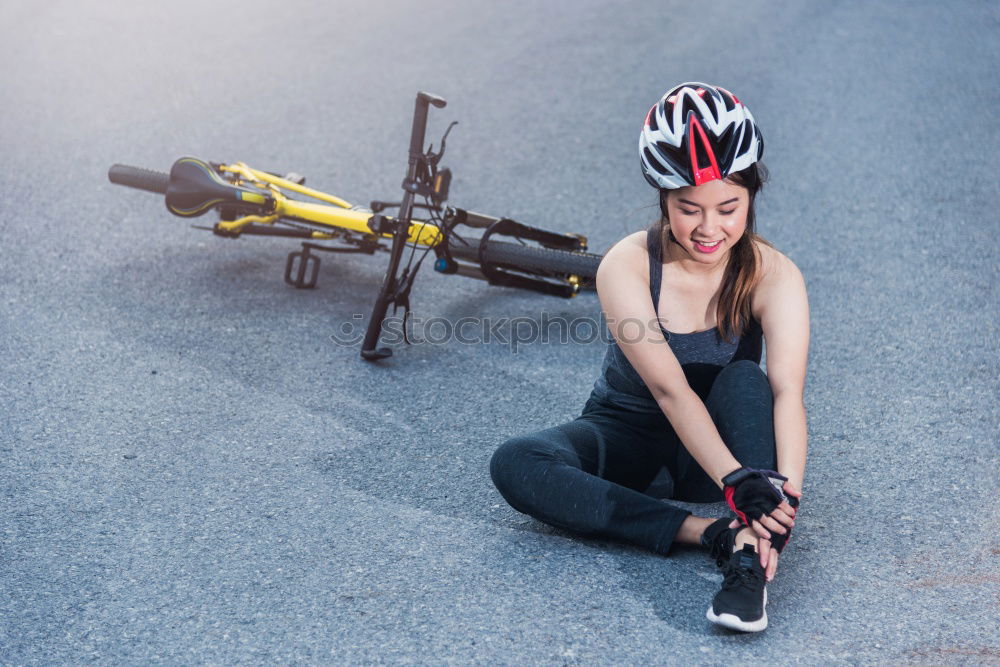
[627, 251]
[778, 275]
[626, 259]
[774, 263]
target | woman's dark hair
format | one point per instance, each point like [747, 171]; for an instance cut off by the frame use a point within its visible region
[743, 269]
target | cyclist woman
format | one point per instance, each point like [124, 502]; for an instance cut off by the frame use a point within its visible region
[681, 401]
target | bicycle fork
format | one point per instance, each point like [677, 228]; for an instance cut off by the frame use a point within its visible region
[395, 290]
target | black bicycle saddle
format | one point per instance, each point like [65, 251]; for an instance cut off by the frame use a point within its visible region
[195, 187]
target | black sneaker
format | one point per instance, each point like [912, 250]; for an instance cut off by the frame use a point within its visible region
[740, 603]
[720, 540]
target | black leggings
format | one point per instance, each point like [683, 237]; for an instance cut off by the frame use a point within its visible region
[589, 475]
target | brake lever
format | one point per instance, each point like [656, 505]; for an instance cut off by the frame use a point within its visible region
[432, 157]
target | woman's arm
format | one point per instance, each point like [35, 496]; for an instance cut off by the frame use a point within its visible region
[699, 434]
[790, 437]
[784, 318]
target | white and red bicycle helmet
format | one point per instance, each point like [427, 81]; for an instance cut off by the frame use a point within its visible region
[697, 133]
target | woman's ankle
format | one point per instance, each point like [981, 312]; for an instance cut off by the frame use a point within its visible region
[692, 529]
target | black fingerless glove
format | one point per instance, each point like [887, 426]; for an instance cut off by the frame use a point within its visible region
[753, 493]
[778, 541]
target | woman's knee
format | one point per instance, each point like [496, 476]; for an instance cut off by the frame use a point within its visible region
[743, 373]
[512, 462]
[504, 459]
[741, 382]
[741, 405]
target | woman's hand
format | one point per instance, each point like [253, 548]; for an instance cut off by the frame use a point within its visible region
[791, 490]
[758, 499]
[772, 564]
[782, 518]
[780, 521]
[768, 554]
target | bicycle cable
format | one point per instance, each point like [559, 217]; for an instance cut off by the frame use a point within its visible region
[401, 294]
[436, 218]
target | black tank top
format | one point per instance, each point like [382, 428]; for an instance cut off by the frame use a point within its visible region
[702, 354]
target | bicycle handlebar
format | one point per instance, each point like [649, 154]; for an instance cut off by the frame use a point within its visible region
[433, 99]
[420, 121]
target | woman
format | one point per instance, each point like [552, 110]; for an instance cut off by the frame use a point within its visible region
[681, 401]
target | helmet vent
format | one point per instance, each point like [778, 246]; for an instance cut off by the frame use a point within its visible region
[701, 152]
[688, 107]
[653, 162]
[748, 133]
[714, 110]
[669, 156]
[728, 143]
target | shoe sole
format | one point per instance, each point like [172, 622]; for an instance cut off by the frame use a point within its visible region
[734, 622]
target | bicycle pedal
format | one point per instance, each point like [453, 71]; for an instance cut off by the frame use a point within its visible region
[302, 275]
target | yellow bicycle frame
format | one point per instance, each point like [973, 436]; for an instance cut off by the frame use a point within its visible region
[335, 213]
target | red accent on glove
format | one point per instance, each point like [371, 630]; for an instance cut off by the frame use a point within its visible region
[732, 505]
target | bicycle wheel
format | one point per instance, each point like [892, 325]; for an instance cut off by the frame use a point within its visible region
[141, 179]
[533, 260]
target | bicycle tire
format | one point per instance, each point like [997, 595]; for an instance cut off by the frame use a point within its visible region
[533, 260]
[139, 178]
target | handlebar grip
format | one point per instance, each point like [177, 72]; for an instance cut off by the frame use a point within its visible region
[141, 179]
[438, 102]
[420, 121]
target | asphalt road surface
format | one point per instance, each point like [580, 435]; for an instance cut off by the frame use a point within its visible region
[193, 471]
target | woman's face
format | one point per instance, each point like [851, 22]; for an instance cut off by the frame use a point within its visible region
[707, 220]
